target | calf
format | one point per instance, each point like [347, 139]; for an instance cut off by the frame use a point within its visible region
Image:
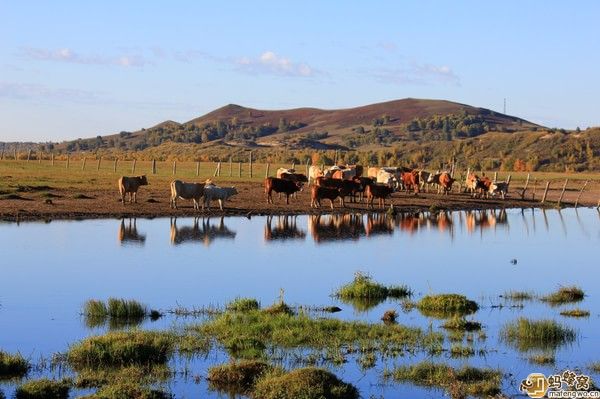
[471, 182]
[287, 187]
[379, 191]
[220, 194]
[317, 193]
[130, 185]
[193, 191]
[445, 182]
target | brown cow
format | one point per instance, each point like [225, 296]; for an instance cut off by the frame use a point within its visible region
[482, 188]
[411, 181]
[317, 193]
[379, 191]
[346, 187]
[130, 185]
[287, 187]
[446, 181]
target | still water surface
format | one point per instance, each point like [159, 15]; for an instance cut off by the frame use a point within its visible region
[48, 270]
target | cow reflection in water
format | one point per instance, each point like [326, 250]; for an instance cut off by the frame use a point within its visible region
[485, 219]
[285, 229]
[128, 233]
[199, 232]
[379, 224]
[336, 227]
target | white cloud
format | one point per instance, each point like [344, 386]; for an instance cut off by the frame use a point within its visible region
[417, 73]
[70, 56]
[271, 63]
[28, 91]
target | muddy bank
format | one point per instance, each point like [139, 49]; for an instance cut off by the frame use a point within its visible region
[153, 201]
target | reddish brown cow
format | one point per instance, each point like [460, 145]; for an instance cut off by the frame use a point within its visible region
[379, 191]
[280, 186]
[483, 186]
[346, 187]
[317, 193]
[446, 181]
[411, 181]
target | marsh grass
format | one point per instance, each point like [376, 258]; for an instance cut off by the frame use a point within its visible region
[542, 359]
[458, 350]
[363, 293]
[390, 316]
[128, 389]
[446, 305]
[595, 367]
[237, 378]
[13, 365]
[304, 383]
[461, 324]
[575, 313]
[118, 312]
[564, 295]
[43, 389]
[242, 305]
[250, 334]
[96, 378]
[518, 296]
[121, 348]
[525, 334]
[459, 383]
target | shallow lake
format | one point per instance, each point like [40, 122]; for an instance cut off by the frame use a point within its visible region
[48, 270]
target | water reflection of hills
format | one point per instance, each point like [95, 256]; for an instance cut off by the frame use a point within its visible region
[129, 235]
[285, 228]
[324, 228]
[201, 231]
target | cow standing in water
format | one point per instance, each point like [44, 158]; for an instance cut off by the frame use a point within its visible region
[130, 185]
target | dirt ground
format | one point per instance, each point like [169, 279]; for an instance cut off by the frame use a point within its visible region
[31, 203]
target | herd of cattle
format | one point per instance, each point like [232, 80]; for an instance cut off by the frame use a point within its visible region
[333, 183]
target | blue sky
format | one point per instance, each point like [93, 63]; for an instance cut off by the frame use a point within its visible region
[72, 69]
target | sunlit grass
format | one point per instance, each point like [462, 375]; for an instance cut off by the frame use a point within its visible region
[527, 334]
[13, 365]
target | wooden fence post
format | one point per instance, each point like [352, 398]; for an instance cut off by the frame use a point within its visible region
[115, 165]
[216, 169]
[174, 167]
[28, 155]
[580, 192]
[307, 166]
[240, 169]
[508, 179]
[496, 176]
[267, 170]
[563, 191]
[335, 157]
[2, 154]
[534, 187]
[197, 168]
[293, 165]
[98, 166]
[52, 159]
[219, 168]
[250, 164]
[545, 192]
[15, 153]
[230, 167]
[40, 155]
[133, 166]
[525, 187]
[83, 164]
[68, 158]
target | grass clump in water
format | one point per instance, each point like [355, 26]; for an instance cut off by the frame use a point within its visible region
[122, 348]
[565, 295]
[96, 378]
[43, 389]
[304, 383]
[128, 389]
[458, 382]
[364, 293]
[595, 367]
[458, 350]
[518, 296]
[119, 312]
[13, 365]
[575, 313]
[390, 316]
[446, 305]
[237, 377]
[541, 358]
[525, 334]
[461, 324]
[242, 305]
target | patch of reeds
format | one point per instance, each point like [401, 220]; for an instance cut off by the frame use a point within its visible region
[446, 305]
[121, 348]
[128, 389]
[458, 350]
[457, 323]
[13, 365]
[459, 383]
[237, 378]
[564, 295]
[575, 313]
[363, 287]
[595, 367]
[541, 359]
[518, 296]
[144, 375]
[118, 312]
[309, 382]
[243, 305]
[43, 389]
[525, 334]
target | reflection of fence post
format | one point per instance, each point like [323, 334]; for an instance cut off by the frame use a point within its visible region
[133, 166]
[563, 191]
[580, 192]
[197, 168]
[267, 170]
[545, 192]
[115, 165]
[525, 187]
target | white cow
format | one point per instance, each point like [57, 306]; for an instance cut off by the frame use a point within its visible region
[193, 191]
[387, 178]
[220, 194]
[281, 171]
[314, 172]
